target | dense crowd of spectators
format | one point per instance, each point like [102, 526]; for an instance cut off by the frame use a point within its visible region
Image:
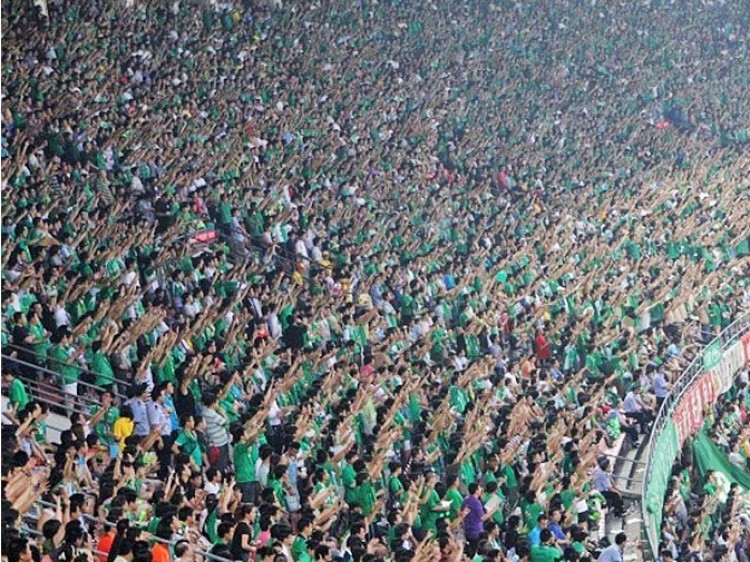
[367, 281]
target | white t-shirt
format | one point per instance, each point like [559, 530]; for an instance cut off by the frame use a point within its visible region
[274, 414]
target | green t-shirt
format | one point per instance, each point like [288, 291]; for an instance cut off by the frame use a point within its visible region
[38, 331]
[104, 428]
[245, 456]
[498, 516]
[101, 366]
[210, 527]
[18, 396]
[60, 356]
[225, 212]
[544, 553]
[567, 497]
[396, 488]
[427, 516]
[188, 444]
[348, 478]
[457, 500]
[364, 496]
[532, 512]
[511, 481]
[299, 550]
[468, 472]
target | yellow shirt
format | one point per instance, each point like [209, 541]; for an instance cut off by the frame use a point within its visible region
[122, 429]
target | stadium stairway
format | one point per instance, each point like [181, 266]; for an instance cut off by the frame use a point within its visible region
[629, 471]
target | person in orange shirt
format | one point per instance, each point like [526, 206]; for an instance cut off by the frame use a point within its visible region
[160, 551]
[528, 367]
[105, 543]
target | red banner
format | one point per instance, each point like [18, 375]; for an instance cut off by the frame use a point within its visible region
[746, 346]
[690, 412]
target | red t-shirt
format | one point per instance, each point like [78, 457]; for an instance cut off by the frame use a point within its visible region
[542, 349]
[105, 545]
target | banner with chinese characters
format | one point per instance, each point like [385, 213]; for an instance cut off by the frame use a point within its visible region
[732, 361]
[689, 413]
[712, 355]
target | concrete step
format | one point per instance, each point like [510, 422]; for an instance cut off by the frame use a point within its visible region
[630, 472]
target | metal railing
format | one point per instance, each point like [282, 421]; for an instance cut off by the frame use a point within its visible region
[52, 393]
[51, 360]
[689, 376]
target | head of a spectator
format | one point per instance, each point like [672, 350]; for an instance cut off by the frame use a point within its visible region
[183, 551]
[209, 400]
[19, 550]
[74, 533]
[224, 531]
[158, 393]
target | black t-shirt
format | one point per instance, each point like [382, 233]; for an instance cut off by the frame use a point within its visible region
[20, 333]
[241, 530]
[184, 404]
[295, 336]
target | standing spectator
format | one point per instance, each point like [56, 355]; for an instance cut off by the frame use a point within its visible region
[242, 539]
[474, 518]
[137, 396]
[661, 388]
[158, 420]
[535, 535]
[216, 433]
[18, 397]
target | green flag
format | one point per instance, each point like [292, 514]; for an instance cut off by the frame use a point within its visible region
[709, 457]
[712, 355]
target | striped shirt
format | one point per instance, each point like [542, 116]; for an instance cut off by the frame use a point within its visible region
[216, 432]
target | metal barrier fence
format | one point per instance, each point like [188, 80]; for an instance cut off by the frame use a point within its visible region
[651, 519]
[40, 359]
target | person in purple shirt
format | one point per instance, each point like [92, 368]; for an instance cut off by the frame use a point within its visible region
[474, 518]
